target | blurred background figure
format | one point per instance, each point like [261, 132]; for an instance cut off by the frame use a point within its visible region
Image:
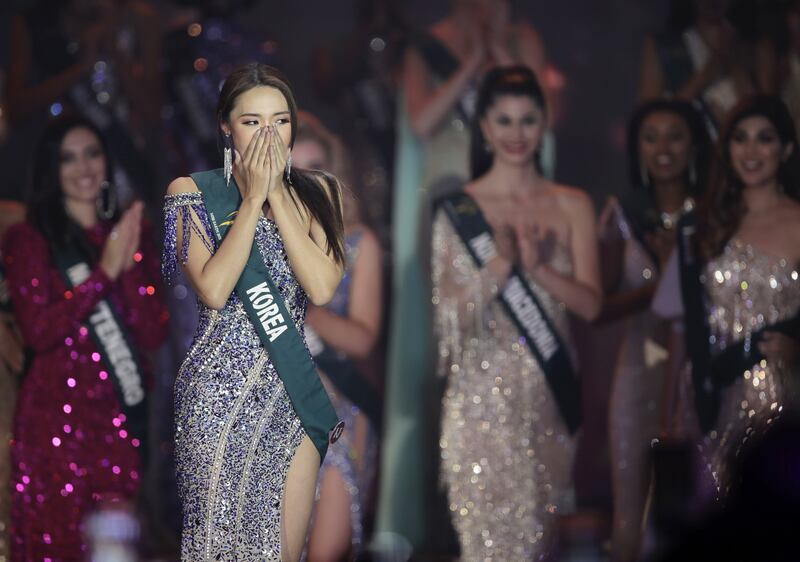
[669, 154]
[100, 58]
[83, 279]
[738, 291]
[11, 365]
[359, 74]
[340, 335]
[702, 56]
[442, 69]
[507, 438]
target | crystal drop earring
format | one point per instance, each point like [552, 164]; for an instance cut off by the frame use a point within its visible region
[227, 159]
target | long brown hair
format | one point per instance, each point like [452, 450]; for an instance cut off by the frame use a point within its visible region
[723, 208]
[304, 185]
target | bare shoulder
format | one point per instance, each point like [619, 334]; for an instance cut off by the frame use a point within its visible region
[573, 200]
[181, 185]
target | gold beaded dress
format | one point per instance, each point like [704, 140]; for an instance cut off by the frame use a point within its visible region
[506, 454]
[748, 289]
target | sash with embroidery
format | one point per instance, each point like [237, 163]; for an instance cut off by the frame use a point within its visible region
[267, 311]
[522, 306]
[109, 333]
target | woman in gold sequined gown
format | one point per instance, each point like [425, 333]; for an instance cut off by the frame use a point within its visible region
[506, 454]
[749, 237]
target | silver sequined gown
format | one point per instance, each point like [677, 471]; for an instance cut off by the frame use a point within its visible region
[506, 454]
[235, 428]
[748, 289]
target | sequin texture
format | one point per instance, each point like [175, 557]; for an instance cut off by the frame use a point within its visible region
[235, 428]
[71, 444]
[748, 290]
[506, 455]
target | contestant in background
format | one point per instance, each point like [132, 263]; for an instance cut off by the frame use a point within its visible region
[668, 153]
[512, 403]
[443, 67]
[257, 239]
[738, 293]
[83, 280]
[339, 335]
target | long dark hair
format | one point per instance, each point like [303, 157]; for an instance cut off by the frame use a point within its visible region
[515, 80]
[46, 210]
[305, 185]
[701, 144]
[723, 207]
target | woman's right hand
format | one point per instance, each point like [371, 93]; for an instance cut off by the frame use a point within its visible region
[117, 251]
[252, 169]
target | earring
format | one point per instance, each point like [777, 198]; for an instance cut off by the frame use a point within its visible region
[106, 201]
[227, 159]
[644, 176]
[488, 147]
[288, 172]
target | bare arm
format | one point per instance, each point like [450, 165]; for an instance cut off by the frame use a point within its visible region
[426, 107]
[581, 293]
[356, 333]
[24, 99]
[651, 76]
[313, 265]
[214, 277]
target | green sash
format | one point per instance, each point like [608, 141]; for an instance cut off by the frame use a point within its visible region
[522, 307]
[272, 321]
[108, 332]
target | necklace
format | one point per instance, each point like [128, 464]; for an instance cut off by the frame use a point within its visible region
[669, 220]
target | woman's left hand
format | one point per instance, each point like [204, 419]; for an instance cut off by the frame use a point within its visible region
[780, 348]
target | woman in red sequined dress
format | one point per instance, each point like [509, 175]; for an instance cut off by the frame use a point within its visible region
[80, 409]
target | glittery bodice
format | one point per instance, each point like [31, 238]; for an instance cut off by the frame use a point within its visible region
[506, 454]
[748, 289]
[235, 428]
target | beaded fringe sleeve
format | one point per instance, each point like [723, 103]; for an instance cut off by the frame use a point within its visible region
[187, 212]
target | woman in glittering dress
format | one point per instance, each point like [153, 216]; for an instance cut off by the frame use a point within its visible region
[341, 333]
[247, 461]
[744, 374]
[669, 152]
[75, 442]
[506, 451]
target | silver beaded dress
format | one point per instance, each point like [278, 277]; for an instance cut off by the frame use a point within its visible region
[506, 454]
[235, 428]
[748, 289]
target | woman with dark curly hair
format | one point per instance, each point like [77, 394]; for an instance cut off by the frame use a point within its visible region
[740, 290]
[668, 152]
[83, 280]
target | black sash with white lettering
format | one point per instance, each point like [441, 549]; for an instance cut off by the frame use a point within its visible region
[713, 372]
[522, 306]
[114, 343]
[272, 321]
